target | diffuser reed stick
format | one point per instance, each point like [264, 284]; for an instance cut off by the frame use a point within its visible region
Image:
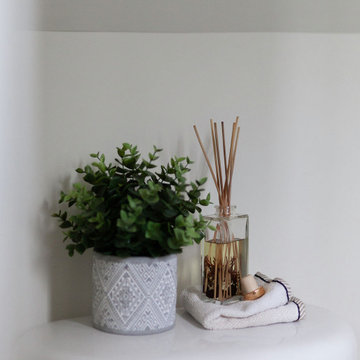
[223, 185]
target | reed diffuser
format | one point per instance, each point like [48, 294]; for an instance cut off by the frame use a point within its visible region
[225, 248]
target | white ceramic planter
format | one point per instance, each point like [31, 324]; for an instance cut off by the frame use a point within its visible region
[135, 295]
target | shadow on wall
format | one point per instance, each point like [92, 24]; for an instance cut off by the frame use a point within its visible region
[189, 272]
[69, 279]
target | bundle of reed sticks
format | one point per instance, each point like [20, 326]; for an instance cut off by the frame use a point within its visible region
[224, 169]
[222, 252]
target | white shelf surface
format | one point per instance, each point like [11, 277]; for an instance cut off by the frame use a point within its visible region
[321, 335]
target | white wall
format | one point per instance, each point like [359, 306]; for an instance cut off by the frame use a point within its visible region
[298, 98]
[5, 334]
[22, 291]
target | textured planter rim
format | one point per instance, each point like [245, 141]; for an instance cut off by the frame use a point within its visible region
[135, 260]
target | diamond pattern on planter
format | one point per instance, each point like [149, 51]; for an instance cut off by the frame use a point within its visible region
[106, 317]
[165, 293]
[148, 276]
[134, 295]
[149, 319]
[126, 296]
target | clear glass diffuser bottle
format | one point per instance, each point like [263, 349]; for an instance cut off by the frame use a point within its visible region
[225, 254]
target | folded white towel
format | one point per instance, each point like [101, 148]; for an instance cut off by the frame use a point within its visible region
[277, 305]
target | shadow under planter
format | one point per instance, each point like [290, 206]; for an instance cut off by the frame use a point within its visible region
[134, 295]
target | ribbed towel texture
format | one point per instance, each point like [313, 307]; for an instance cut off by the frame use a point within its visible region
[278, 305]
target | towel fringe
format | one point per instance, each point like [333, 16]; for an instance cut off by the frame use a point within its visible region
[301, 307]
[281, 281]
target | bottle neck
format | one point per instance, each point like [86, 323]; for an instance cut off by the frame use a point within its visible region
[225, 210]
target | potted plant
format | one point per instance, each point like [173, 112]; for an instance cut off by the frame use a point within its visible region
[137, 217]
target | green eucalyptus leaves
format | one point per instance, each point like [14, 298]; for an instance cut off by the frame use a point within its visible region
[133, 207]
